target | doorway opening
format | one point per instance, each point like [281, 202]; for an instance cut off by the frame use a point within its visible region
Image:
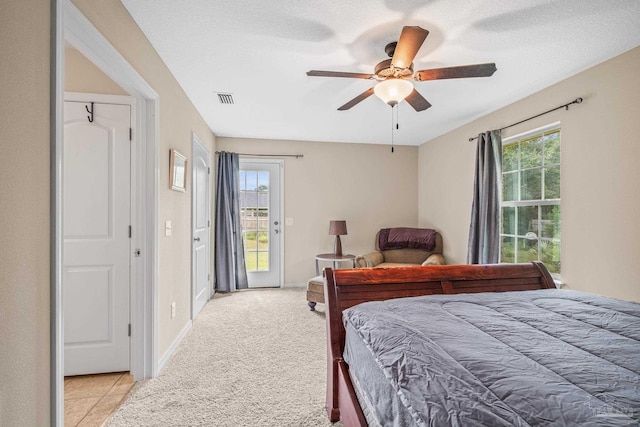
[71, 28]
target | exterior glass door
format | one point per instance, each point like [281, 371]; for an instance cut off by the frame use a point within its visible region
[261, 223]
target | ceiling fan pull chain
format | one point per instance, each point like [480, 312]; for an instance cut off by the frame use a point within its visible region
[397, 120]
[392, 128]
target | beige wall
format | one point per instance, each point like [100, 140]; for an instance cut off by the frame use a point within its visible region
[24, 213]
[24, 195]
[178, 118]
[599, 173]
[364, 184]
[80, 75]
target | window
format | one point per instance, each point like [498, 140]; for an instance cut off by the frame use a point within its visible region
[530, 229]
[254, 215]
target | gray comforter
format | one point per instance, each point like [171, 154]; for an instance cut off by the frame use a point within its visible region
[549, 357]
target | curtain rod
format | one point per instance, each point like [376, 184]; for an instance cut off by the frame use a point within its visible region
[297, 156]
[575, 101]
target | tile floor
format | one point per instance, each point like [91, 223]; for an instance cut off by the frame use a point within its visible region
[89, 400]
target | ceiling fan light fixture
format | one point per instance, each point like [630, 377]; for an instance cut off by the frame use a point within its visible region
[392, 91]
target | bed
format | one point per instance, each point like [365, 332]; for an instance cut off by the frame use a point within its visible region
[477, 345]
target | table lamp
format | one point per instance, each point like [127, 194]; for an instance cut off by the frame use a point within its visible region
[337, 228]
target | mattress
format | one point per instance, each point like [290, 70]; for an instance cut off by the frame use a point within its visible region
[546, 357]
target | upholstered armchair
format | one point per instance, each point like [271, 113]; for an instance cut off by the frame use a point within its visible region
[402, 247]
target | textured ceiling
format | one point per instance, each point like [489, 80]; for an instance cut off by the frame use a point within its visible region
[259, 51]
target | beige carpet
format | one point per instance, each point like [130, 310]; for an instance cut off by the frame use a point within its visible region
[252, 358]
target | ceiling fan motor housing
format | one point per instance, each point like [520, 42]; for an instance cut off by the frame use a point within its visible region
[384, 69]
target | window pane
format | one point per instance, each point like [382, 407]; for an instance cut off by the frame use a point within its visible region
[510, 186]
[527, 250]
[508, 220]
[263, 241]
[550, 222]
[552, 149]
[527, 220]
[263, 261]
[248, 199]
[531, 182]
[550, 255]
[251, 180]
[250, 224]
[531, 153]
[251, 260]
[263, 181]
[250, 244]
[552, 182]
[507, 249]
[262, 200]
[510, 157]
[243, 176]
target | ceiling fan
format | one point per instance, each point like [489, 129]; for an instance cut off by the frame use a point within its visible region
[394, 75]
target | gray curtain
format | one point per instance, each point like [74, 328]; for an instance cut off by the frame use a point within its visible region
[230, 269]
[484, 231]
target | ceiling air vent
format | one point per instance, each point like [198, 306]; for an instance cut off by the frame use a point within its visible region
[225, 98]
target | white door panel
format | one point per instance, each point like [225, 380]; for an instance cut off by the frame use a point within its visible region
[261, 222]
[96, 251]
[200, 228]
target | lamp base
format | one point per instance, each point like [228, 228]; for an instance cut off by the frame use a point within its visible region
[337, 248]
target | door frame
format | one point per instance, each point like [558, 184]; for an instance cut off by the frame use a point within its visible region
[70, 26]
[196, 141]
[280, 163]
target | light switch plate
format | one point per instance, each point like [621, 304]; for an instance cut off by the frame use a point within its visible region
[167, 228]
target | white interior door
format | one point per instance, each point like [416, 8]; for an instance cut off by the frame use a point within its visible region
[201, 223]
[96, 250]
[261, 222]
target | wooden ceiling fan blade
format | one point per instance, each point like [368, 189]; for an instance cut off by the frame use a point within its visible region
[408, 45]
[364, 95]
[319, 73]
[477, 70]
[417, 101]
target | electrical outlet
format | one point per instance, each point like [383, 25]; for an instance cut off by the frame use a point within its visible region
[167, 228]
[288, 221]
[173, 310]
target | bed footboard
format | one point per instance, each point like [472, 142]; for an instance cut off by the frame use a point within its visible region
[349, 287]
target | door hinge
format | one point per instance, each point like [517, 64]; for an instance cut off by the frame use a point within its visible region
[136, 252]
[130, 134]
[129, 330]
[209, 171]
[130, 232]
[208, 223]
[208, 277]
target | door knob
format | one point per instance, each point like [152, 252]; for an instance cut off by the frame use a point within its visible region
[196, 239]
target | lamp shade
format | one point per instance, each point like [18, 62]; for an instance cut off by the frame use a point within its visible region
[392, 91]
[337, 228]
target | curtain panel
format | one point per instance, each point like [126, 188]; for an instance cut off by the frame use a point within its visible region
[230, 268]
[484, 230]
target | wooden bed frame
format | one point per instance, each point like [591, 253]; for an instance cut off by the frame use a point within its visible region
[348, 287]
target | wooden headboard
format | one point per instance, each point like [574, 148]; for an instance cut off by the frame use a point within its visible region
[348, 287]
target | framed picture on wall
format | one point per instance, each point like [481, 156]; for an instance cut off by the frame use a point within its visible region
[177, 171]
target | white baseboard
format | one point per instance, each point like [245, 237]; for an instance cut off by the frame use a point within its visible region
[172, 348]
